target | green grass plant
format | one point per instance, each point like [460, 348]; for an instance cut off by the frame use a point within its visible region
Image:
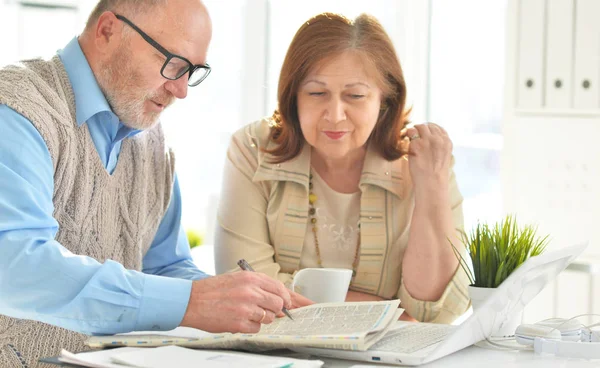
[497, 250]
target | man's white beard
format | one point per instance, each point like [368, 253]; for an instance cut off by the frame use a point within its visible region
[128, 102]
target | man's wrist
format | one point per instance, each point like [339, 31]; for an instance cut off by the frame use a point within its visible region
[188, 316]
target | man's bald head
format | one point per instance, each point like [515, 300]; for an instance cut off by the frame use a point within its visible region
[129, 6]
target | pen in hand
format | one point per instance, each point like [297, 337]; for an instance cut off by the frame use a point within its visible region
[246, 267]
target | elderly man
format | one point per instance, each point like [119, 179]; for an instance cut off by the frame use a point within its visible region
[90, 209]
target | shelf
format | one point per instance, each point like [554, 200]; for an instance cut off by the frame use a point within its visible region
[558, 112]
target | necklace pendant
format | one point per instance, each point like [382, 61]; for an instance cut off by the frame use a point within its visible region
[353, 273]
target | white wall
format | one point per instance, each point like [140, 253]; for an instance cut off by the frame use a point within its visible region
[8, 26]
[443, 65]
[551, 166]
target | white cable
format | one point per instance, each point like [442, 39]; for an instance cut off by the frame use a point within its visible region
[497, 343]
[589, 328]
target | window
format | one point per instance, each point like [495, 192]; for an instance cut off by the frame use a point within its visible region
[28, 24]
[249, 44]
[199, 127]
[453, 66]
[466, 77]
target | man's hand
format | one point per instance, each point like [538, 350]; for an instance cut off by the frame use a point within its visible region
[236, 302]
[407, 317]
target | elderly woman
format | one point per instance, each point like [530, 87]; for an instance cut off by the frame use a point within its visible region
[335, 178]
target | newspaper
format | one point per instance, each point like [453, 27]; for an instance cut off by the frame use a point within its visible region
[346, 326]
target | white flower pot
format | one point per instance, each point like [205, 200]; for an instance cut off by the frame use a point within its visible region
[505, 326]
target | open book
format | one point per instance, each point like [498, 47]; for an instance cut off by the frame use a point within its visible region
[347, 326]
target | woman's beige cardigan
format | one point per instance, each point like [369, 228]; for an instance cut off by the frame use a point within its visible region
[262, 217]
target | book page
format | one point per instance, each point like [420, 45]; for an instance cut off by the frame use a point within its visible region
[377, 335]
[336, 325]
[95, 359]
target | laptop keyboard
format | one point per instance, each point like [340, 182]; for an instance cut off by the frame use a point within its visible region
[413, 337]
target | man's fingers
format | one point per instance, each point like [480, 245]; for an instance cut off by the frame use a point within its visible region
[265, 283]
[275, 287]
[262, 316]
[257, 315]
[269, 318]
[238, 302]
[270, 302]
[299, 300]
[264, 292]
[249, 327]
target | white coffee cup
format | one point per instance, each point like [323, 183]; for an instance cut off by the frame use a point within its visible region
[323, 285]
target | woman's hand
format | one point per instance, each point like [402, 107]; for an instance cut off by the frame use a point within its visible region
[429, 262]
[430, 156]
[406, 318]
[355, 296]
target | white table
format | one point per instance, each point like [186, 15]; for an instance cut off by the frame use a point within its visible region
[473, 356]
[476, 357]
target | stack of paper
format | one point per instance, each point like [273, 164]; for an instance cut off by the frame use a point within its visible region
[175, 356]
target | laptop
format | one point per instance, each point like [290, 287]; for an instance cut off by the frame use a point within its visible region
[410, 343]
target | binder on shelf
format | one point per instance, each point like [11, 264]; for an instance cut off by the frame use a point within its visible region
[559, 54]
[587, 55]
[530, 81]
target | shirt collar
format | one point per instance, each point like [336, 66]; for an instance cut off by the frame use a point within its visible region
[393, 176]
[89, 99]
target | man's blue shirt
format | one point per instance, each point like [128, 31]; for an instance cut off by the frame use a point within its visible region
[42, 280]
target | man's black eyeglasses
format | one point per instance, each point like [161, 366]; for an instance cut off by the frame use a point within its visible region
[175, 66]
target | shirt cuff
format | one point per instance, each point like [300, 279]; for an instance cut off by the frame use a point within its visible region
[451, 305]
[163, 304]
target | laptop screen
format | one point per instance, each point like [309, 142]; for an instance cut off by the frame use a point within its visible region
[509, 298]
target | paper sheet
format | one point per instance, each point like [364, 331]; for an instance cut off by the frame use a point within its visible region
[95, 359]
[175, 356]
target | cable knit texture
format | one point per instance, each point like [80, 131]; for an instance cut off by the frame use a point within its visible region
[99, 215]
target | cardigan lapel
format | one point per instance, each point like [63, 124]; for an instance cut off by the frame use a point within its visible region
[380, 180]
[379, 177]
[294, 203]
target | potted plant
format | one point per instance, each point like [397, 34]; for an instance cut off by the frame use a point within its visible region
[494, 253]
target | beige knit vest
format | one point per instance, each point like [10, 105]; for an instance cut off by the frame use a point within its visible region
[99, 215]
